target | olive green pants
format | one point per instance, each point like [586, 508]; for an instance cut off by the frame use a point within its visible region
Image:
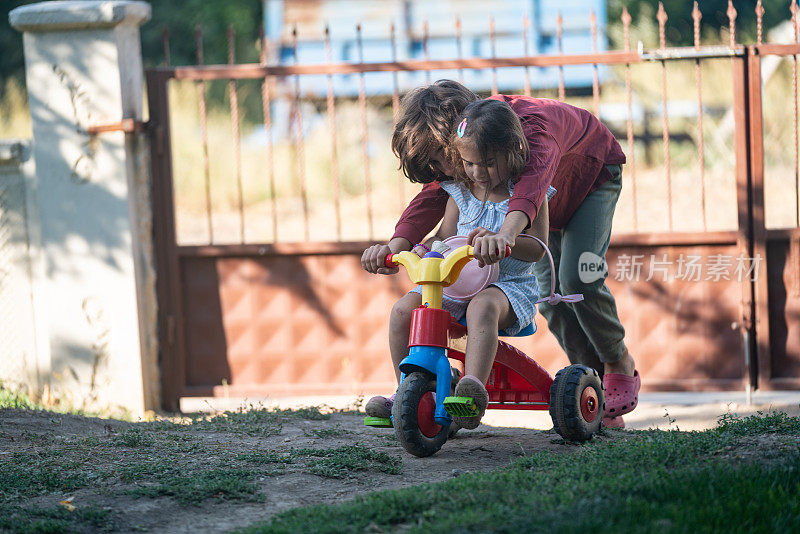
[589, 331]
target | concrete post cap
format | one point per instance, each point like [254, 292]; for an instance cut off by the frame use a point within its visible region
[78, 14]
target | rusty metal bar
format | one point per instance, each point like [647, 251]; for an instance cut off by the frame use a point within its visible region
[401, 192]
[362, 104]
[275, 249]
[234, 100]
[560, 36]
[759, 22]
[761, 369]
[165, 45]
[129, 126]
[731, 12]
[795, 22]
[331, 105]
[357, 247]
[690, 52]
[459, 48]
[595, 72]
[266, 112]
[526, 25]
[626, 26]
[424, 48]
[778, 49]
[741, 115]
[299, 145]
[697, 16]
[492, 44]
[662, 20]
[254, 70]
[201, 104]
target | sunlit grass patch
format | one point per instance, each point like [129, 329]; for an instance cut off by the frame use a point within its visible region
[658, 481]
[760, 423]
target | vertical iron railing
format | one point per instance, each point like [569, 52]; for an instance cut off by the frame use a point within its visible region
[595, 72]
[237, 151]
[631, 156]
[331, 105]
[362, 104]
[696, 16]
[662, 43]
[562, 92]
[201, 104]
[493, 46]
[796, 150]
[266, 112]
[526, 26]
[299, 139]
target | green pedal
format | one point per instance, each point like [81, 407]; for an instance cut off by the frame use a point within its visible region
[378, 422]
[461, 406]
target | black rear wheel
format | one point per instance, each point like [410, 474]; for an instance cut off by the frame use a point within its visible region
[576, 403]
[413, 413]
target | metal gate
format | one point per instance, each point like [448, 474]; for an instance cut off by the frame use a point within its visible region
[265, 317]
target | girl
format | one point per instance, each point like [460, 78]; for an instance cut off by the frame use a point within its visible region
[493, 151]
[574, 152]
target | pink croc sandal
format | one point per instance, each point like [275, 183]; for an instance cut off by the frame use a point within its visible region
[621, 393]
[613, 422]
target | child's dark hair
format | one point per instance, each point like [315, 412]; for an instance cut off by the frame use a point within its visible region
[427, 120]
[494, 127]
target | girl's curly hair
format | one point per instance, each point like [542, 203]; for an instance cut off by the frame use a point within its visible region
[427, 120]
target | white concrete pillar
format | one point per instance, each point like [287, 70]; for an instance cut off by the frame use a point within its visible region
[84, 68]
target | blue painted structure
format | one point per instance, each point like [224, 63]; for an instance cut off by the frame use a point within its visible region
[409, 16]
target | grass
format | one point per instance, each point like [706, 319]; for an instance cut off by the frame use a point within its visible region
[10, 398]
[658, 481]
[345, 461]
[744, 474]
[54, 519]
[334, 432]
[190, 461]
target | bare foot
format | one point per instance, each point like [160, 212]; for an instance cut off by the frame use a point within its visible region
[624, 366]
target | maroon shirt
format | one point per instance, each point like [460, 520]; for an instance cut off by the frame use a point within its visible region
[570, 148]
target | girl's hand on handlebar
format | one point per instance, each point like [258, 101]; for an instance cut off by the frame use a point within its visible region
[372, 260]
[489, 247]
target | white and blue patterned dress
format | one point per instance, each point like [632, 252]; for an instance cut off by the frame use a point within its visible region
[516, 277]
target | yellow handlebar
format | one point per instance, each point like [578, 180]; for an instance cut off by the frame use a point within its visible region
[442, 271]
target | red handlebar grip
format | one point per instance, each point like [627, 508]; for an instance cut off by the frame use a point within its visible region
[388, 261]
[508, 251]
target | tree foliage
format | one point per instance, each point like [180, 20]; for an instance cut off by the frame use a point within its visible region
[680, 29]
[179, 17]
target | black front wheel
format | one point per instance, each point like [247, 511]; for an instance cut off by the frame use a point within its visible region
[576, 403]
[413, 412]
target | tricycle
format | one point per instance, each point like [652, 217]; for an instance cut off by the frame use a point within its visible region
[421, 414]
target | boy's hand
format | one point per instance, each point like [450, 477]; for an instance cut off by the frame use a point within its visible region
[373, 258]
[489, 247]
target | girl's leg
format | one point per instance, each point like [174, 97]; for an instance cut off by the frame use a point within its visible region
[400, 328]
[488, 312]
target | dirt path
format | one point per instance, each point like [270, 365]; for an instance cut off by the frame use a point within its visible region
[102, 446]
